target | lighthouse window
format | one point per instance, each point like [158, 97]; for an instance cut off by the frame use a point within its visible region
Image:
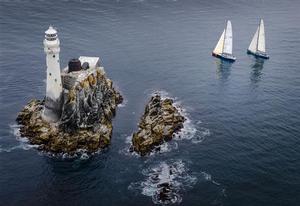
[55, 80]
[50, 74]
[51, 37]
[53, 56]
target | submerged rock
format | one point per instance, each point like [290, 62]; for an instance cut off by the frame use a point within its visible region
[161, 120]
[165, 183]
[86, 119]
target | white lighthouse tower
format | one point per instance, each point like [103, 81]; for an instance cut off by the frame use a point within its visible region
[52, 109]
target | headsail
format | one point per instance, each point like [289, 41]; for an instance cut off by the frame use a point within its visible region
[219, 47]
[228, 39]
[253, 44]
[261, 45]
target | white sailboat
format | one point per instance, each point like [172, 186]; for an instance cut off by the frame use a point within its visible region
[257, 46]
[223, 48]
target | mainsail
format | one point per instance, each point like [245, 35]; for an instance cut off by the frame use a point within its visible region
[261, 45]
[228, 39]
[219, 47]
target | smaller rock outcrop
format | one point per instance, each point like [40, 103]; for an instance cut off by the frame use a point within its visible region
[161, 120]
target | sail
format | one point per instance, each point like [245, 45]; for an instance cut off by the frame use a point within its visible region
[261, 46]
[228, 39]
[219, 47]
[253, 44]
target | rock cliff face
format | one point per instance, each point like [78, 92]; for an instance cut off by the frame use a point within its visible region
[161, 120]
[86, 119]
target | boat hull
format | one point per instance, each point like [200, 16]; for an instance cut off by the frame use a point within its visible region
[229, 58]
[258, 54]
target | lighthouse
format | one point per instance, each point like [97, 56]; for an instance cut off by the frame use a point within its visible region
[52, 108]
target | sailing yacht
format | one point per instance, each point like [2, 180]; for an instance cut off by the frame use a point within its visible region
[223, 48]
[258, 44]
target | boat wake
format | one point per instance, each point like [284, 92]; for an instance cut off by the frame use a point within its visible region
[165, 182]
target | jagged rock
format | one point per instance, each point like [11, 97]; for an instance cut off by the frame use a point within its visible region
[86, 119]
[161, 120]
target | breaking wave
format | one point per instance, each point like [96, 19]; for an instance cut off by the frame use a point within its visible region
[123, 104]
[165, 182]
[23, 142]
[189, 130]
[80, 154]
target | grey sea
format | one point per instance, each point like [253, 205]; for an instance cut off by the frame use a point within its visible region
[241, 141]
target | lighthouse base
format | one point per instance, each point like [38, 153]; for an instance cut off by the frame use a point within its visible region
[49, 116]
[52, 110]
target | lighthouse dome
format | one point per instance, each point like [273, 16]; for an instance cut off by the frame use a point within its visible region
[51, 34]
[51, 30]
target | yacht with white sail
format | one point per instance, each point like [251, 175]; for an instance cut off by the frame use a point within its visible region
[258, 44]
[223, 48]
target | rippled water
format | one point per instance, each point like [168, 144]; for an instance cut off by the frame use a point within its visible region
[241, 145]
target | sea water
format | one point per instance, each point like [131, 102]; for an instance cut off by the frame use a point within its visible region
[240, 144]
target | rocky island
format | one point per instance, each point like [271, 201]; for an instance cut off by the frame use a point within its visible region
[86, 120]
[160, 121]
[77, 111]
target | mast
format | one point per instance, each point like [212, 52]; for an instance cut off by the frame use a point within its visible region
[228, 39]
[256, 49]
[224, 36]
[261, 45]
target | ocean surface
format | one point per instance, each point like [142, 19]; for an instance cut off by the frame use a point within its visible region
[241, 142]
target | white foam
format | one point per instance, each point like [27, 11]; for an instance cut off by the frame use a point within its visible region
[163, 94]
[165, 178]
[123, 104]
[80, 154]
[199, 122]
[126, 150]
[189, 130]
[201, 134]
[128, 139]
[206, 176]
[164, 147]
[23, 142]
